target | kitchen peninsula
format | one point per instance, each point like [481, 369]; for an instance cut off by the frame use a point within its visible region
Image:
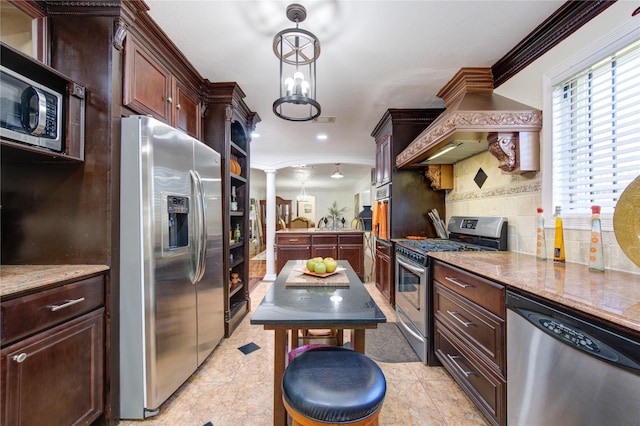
[341, 244]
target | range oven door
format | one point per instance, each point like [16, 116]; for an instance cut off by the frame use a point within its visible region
[412, 303]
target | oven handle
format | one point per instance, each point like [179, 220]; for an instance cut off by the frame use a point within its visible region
[406, 327]
[412, 268]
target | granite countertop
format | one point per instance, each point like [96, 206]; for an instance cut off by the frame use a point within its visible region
[324, 306]
[19, 279]
[319, 231]
[611, 295]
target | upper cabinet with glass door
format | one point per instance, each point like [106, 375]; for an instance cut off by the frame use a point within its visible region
[23, 27]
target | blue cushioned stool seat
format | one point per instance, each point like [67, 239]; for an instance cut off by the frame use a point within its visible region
[332, 384]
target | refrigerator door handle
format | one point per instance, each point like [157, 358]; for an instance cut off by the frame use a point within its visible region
[200, 231]
[203, 228]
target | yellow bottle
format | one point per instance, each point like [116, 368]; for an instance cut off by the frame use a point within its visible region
[558, 241]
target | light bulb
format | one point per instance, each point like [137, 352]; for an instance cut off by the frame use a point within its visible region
[288, 83]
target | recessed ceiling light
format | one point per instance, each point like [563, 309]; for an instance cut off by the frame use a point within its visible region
[322, 137]
[324, 120]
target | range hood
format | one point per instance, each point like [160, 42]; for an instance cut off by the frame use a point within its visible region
[476, 120]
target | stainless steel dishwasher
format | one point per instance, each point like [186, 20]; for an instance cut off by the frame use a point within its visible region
[568, 370]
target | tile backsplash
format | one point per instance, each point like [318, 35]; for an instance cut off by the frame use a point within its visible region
[516, 197]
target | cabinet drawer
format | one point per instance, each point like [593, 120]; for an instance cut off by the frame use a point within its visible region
[484, 387]
[29, 314]
[384, 248]
[486, 293]
[478, 326]
[324, 240]
[350, 239]
[294, 240]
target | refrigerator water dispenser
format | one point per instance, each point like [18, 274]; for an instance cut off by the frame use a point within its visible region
[178, 209]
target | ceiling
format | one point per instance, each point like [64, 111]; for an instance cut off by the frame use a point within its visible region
[375, 55]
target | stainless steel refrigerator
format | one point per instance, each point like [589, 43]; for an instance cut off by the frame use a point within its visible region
[171, 278]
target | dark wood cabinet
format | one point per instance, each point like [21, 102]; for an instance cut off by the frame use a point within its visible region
[151, 88]
[383, 160]
[228, 124]
[324, 246]
[53, 355]
[186, 113]
[470, 338]
[292, 246]
[302, 245]
[385, 270]
[411, 193]
[351, 249]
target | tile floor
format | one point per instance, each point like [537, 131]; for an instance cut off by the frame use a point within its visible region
[232, 389]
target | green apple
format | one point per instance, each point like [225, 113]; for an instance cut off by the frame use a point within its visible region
[328, 259]
[311, 264]
[331, 265]
[320, 268]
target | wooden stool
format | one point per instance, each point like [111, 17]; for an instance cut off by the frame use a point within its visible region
[330, 385]
[328, 336]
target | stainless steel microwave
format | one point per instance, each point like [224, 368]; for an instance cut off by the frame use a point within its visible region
[30, 113]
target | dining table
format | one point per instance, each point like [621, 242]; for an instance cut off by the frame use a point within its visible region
[339, 301]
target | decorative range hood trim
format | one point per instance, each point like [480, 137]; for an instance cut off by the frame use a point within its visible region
[476, 119]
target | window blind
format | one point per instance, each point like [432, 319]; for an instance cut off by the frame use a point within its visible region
[596, 133]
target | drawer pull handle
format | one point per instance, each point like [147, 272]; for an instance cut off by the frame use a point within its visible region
[66, 304]
[293, 240]
[458, 283]
[20, 358]
[455, 316]
[453, 358]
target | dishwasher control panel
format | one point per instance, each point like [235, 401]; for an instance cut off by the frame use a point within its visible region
[569, 335]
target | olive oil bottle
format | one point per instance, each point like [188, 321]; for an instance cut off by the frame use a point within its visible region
[558, 241]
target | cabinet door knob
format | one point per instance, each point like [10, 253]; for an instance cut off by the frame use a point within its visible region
[20, 358]
[169, 99]
[178, 106]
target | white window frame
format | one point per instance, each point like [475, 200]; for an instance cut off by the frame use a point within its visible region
[606, 46]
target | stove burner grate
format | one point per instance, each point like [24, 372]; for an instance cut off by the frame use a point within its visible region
[441, 245]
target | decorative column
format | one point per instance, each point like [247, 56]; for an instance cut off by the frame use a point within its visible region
[270, 225]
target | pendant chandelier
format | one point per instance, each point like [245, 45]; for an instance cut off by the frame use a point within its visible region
[303, 194]
[336, 174]
[297, 50]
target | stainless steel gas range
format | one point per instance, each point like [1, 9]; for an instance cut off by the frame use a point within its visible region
[413, 283]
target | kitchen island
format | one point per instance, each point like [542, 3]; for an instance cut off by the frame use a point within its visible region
[305, 243]
[286, 308]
